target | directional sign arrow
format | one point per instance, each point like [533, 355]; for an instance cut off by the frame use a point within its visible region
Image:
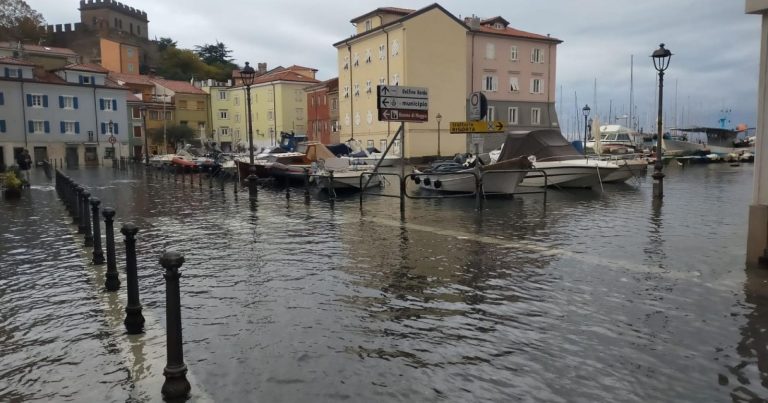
[384, 90]
[385, 102]
[499, 126]
[386, 114]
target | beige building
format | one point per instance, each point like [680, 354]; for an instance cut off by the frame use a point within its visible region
[395, 46]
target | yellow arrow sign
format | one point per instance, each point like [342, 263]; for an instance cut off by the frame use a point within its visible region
[477, 126]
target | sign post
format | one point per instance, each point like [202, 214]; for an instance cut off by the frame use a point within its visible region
[402, 104]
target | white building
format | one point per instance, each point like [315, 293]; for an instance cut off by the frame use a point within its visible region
[64, 114]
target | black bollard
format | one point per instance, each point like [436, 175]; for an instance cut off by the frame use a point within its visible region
[98, 253]
[112, 283]
[76, 209]
[176, 385]
[287, 188]
[88, 238]
[81, 206]
[134, 321]
[331, 188]
[306, 185]
[200, 180]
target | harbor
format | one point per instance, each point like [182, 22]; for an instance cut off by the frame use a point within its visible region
[592, 295]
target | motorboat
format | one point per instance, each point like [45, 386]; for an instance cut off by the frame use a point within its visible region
[369, 156]
[612, 139]
[465, 172]
[159, 161]
[345, 175]
[561, 164]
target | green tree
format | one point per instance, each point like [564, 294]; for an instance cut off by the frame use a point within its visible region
[214, 54]
[176, 134]
[19, 22]
[165, 43]
[181, 64]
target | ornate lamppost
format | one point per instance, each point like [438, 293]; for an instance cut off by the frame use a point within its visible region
[248, 74]
[586, 111]
[439, 118]
[661, 58]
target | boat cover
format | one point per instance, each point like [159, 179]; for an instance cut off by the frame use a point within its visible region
[339, 149]
[511, 164]
[545, 144]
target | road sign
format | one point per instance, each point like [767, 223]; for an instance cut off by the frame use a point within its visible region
[477, 126]
[403, 115]
[112, 139]
[403, 104]
[478, 106]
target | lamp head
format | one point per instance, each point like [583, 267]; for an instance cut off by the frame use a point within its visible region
[248, 74]
[586, 109]
[661, 58]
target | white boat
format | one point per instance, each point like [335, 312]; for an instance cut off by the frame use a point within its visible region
[452, 177]
[345, 175]
[369, 156]
[158, 161]
[562, 164]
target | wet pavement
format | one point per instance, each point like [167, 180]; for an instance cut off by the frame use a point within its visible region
[599, 296]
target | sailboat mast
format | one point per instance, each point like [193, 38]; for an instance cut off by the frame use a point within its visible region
[631, 88]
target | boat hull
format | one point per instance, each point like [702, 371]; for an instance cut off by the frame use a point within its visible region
[569, 174]
[348, 180]
[464, 182]
[635, 168]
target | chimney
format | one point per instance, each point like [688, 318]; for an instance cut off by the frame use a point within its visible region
[474, 22]
[262, 68]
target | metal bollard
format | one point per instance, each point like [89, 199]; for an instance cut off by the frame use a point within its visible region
[76, 190]
[88, 238]
[81, 206]
[331, 189]
[134, 321]
[176, 385]
[200, 180]
[306, 185]
[112, 282]
[287, 188]
[98, 253]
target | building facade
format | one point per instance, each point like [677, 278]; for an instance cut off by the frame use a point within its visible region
[407, 48]
[516, 71]
[319, 125]
[47, 57]
[67, 114]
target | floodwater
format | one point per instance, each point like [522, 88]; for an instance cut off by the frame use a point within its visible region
[599, 296]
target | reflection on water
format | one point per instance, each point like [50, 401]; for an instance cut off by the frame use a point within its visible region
[597, 297]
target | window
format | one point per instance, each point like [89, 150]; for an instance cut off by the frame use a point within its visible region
[368, 86]
[536, 86]
[346, 91]
[298, 95]
[182, 104]
[138, 29]
[395, 79]
[395, 47]
[224, 131]
[154, 115]
[369, 144]
[135, 113]
[535, 116]
[222, 95]
[346, 62]
[168, 115]
[491, 116]
[383, 144]
[490, 83]
[367, 56]
[12, 73]
[237, 117]
[513, 53]
[109, 153]
[70, 127]
[67, 102]
[356, 60]
[512, 112]
[2, 126]
[201, 105]
[357, 89]
[334, 104]
[270, 115]
[237, 101]
[514, 85]
[490, 51]
[136, 131]
[498, 25]
[38, 126]
[537, 56]
[299, 113]
[129, 52]
[223, 114]
[382, 81]
[85, 80]
[368, 25]
[382, 52]
[108, 104]
[37, 101]
[130, 67]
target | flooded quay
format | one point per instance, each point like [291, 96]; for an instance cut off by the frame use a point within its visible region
[595, 296]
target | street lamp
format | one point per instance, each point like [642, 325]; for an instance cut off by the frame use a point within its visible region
[439, 118]
[586, 110]
[111, 134]
[661, 58]
[248, 74]
[143, 110]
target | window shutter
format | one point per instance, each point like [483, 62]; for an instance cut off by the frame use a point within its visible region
[62, 127]
[77, 127]
[47, 126]
[61, 102]
[114, 129]
[18, 72]
[531, 87]
[45, 101]
[80, 79]
[7, 72]
[31, 126]
[114, 104]
[2, 98]
[103, 128]
[2, 126]
[74, 102]
[101, 104]
[29, 100]
[93, 80]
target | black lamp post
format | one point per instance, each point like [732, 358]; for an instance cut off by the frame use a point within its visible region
[143, 110]
[586, 111]
[248, 74]
[439, 118]
[661, 58]
[111, 134]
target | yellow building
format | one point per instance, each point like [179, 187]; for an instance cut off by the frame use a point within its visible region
[227, 114]
[422, 48]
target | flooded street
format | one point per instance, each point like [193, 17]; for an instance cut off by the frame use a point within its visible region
[593, 297]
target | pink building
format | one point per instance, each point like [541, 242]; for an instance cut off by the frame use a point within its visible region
[516, 72]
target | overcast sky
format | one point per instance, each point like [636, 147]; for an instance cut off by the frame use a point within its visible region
[715, 45]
